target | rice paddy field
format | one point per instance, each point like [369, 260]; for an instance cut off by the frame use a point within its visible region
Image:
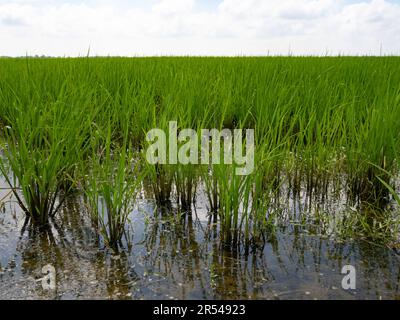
[77, 192]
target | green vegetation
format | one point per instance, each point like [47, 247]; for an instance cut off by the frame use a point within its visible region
[321, 124]
[111, 186]
[42, 147]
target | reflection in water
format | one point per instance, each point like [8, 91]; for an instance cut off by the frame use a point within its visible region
[173, 258]
[72, 246]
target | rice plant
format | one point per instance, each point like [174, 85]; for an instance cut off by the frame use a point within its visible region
[111, 188]
[41, 152]
[319, 123]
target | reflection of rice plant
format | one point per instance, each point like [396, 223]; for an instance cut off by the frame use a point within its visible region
[111, 188]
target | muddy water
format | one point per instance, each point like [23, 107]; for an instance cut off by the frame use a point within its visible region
[165, 258]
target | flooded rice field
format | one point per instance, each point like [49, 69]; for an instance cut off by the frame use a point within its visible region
[200, 178]
[165, 257]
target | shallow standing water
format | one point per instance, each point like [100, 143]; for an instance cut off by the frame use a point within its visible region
[169, 259]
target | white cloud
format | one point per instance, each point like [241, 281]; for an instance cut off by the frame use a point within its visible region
[169, 7]
[180, 27]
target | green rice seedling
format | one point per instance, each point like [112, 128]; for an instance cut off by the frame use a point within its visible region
[261, 217]
[234, 201]
[186, 180]
[111, 188]
[321, 123]
[41, 151]
[370, 223]
[187, 175]
[211, 189]
[384, 177]
[160, 179]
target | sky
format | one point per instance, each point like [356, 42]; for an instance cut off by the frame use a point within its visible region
[195, 27]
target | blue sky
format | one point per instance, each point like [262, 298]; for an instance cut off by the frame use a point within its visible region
[195, 27]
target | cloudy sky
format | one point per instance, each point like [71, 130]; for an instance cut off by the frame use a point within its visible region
[199, 27]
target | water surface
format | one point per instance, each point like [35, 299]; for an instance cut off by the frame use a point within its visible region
[169, 258]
